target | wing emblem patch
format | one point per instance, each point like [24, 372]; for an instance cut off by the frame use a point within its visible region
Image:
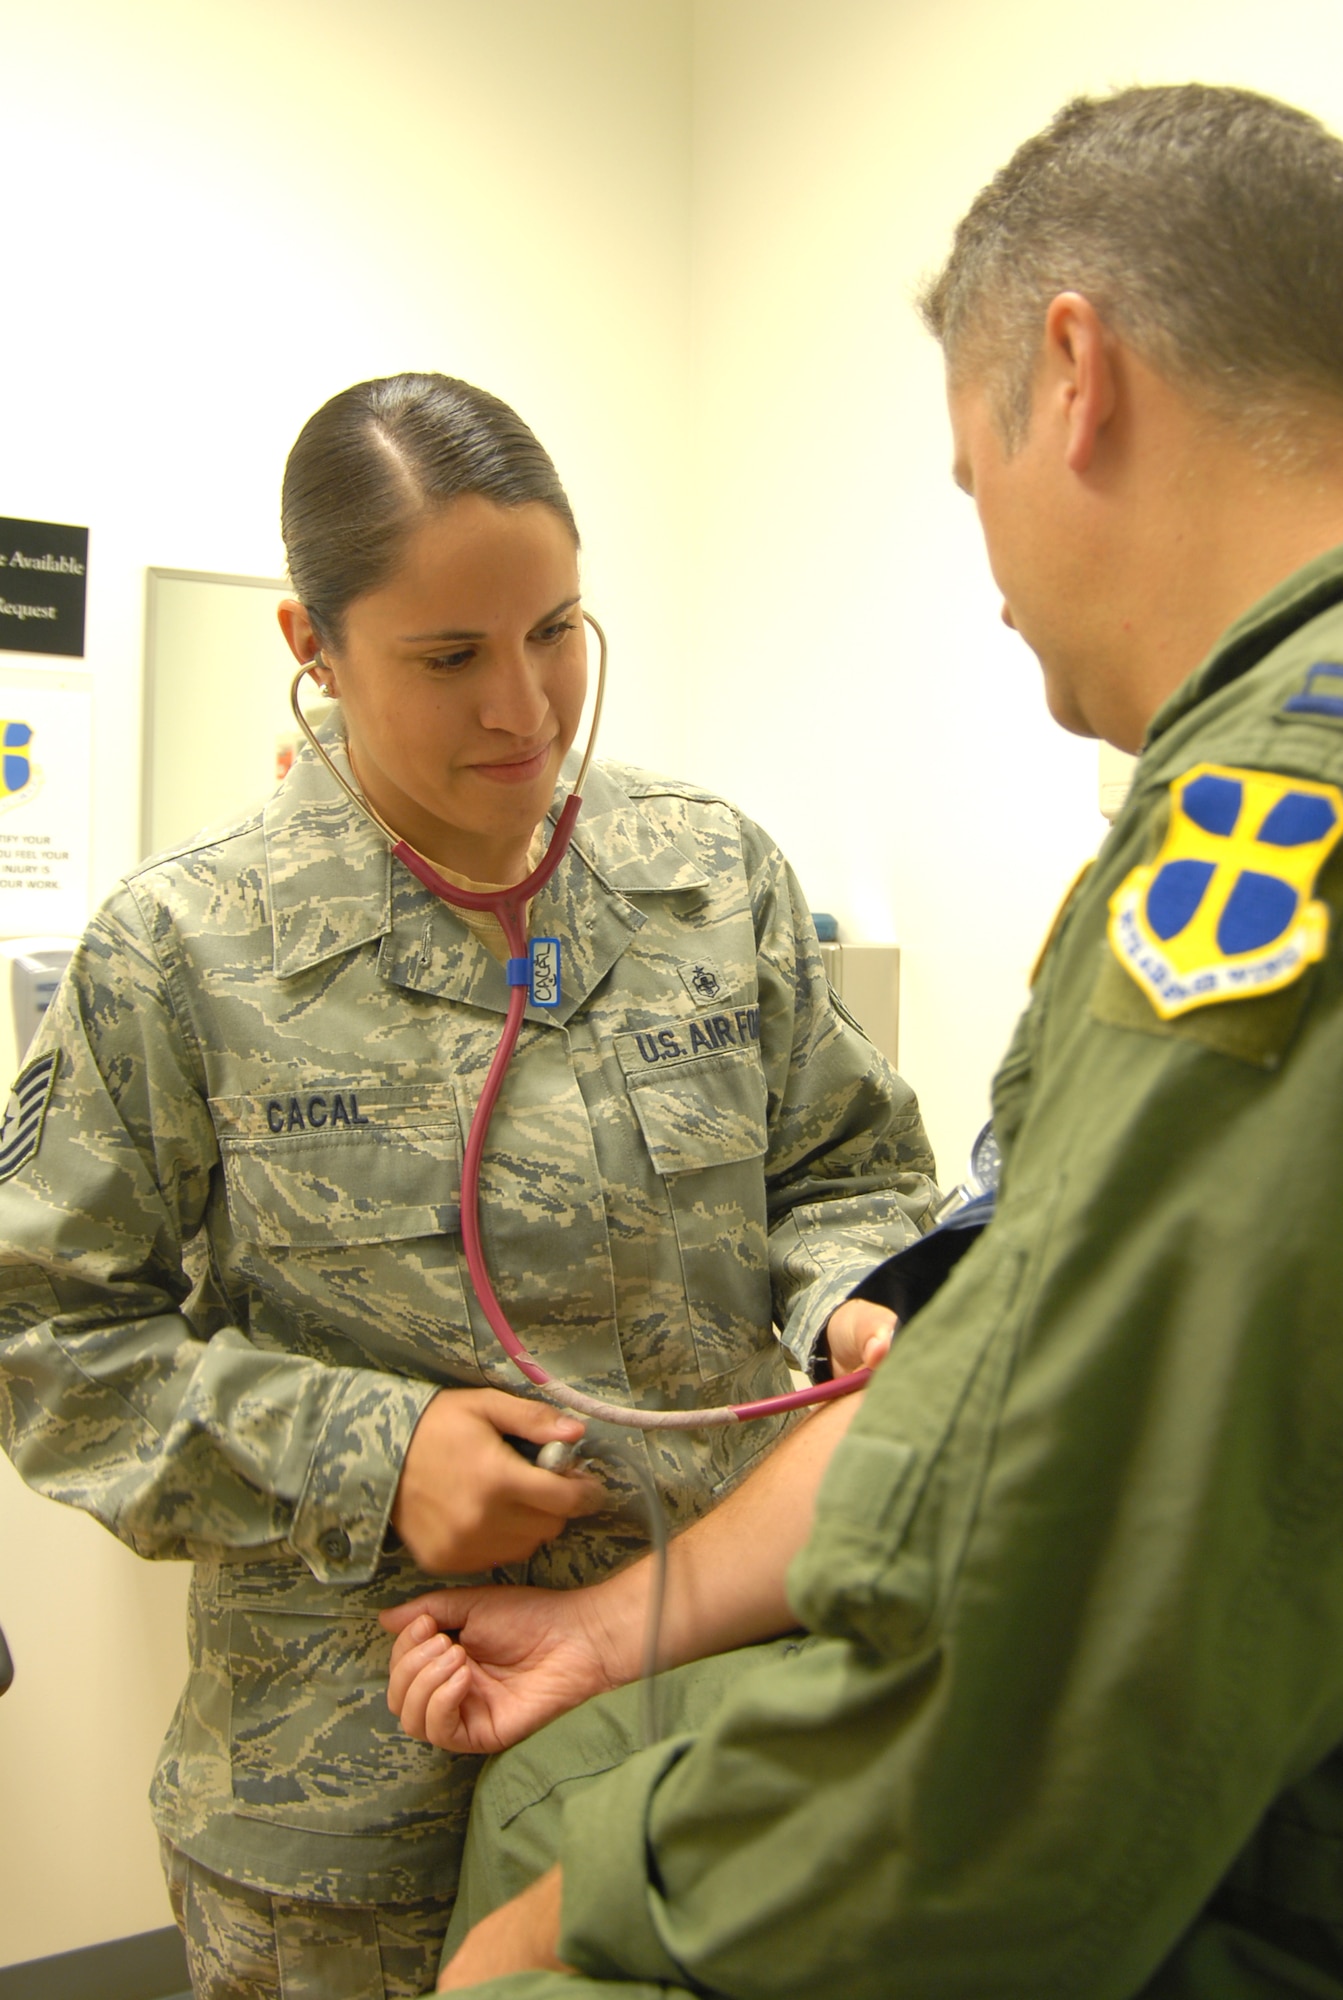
[1225, 910]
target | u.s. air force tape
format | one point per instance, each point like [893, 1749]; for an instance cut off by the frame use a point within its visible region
[1225, 911]
[21, 1132]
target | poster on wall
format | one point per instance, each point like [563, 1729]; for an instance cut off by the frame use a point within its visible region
[43, 578]
[45, 770]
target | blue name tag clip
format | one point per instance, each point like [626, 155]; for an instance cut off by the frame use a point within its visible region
[545, 972]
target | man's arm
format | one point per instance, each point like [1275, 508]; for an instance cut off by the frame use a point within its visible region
[1078, 1561]
[519, 1937]
[524, 1656]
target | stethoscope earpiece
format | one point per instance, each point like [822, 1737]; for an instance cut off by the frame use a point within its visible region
[325, 688]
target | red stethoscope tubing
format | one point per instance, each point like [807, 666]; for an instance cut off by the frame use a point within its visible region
[510, 906]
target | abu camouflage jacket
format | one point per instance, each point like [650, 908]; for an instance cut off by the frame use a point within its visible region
[231, 1275]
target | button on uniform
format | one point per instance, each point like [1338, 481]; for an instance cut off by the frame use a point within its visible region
[335, 1545]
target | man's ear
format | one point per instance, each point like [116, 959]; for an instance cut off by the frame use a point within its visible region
[1079, 360]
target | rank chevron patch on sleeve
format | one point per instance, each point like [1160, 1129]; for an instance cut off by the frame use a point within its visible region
[21, 1130]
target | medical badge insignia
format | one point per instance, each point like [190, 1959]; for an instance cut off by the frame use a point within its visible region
[21, 1130]
[702, 981]
[1225, 909]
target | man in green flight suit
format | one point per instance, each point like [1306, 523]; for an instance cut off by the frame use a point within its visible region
[1067, 1713]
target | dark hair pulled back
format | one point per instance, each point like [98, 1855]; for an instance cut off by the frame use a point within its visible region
[369, 466]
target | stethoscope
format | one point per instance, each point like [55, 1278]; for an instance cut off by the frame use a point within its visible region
[510, 907]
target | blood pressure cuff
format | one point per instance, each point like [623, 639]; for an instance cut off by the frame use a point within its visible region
[908, 1280]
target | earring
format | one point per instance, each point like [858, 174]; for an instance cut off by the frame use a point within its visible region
[325, 687]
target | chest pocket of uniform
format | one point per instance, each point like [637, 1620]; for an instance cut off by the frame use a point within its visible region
[705, 1112]
[703, 1121]
[340, 1165]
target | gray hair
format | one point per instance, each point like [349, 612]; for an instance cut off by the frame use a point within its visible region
[1204, 224]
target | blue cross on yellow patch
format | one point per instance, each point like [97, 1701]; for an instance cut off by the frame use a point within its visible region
[1225, 910]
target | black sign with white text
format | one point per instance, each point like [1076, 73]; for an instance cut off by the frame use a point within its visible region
[43, 574]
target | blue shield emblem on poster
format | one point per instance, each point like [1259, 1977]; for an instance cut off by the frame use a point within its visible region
[1226, 910]
[15, 765]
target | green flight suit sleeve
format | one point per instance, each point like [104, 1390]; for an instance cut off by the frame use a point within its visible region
[1077, 1561]
[849, 1171]
[109, 1399]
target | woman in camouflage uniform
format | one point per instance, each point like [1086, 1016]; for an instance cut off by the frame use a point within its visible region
[237, 1327]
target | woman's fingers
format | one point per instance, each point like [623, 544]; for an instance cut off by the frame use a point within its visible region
[859, 1335]
[565, 1495]
[467, 1500]
[524, 1416]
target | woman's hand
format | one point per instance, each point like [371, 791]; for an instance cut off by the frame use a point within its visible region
[466, 1500]
[859, 1335]
[521, 1658]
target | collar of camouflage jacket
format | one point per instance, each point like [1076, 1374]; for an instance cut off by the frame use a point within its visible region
[334, 886]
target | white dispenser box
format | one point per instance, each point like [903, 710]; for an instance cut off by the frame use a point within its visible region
[867, 979]
[30, 971]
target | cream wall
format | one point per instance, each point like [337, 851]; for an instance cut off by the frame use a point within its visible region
[857, 689]
[217, 214]
[680, 235]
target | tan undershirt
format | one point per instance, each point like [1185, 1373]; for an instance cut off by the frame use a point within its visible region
[484, 924]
